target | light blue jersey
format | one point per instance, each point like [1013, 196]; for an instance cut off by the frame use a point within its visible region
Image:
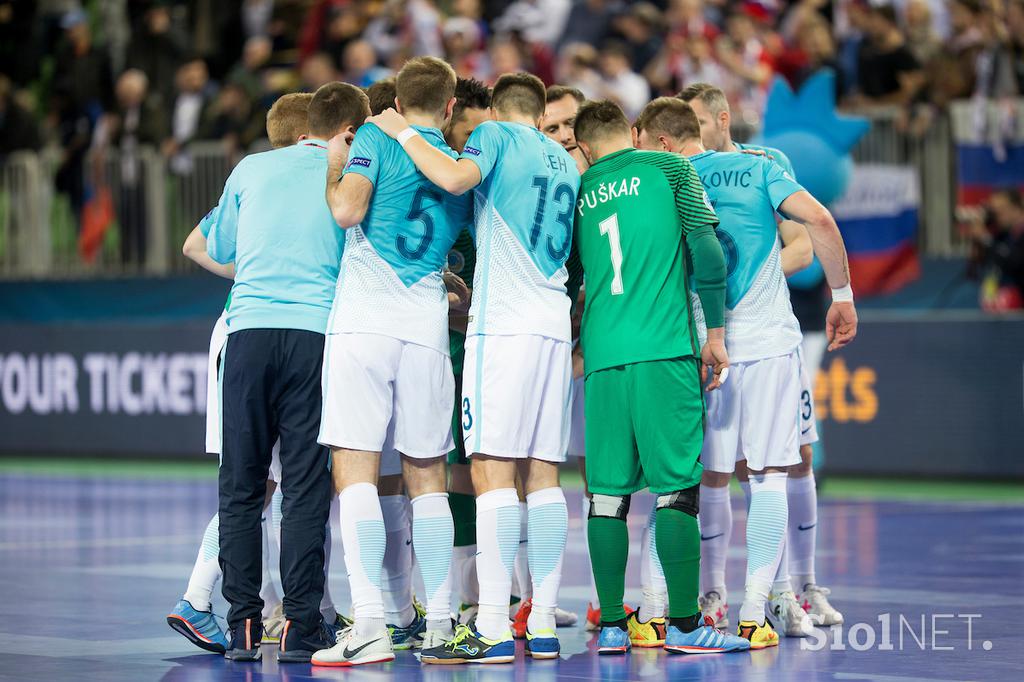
[746, 191]
[390, 280]
[524, 216]
[777, 155]
[273, 223]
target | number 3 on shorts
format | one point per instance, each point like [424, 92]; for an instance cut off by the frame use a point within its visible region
[467, 421]
[610, 226]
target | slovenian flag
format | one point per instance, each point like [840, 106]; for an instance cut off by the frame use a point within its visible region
[878, 217]
[989, 140]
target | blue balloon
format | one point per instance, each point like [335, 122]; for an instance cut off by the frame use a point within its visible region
[823, 171]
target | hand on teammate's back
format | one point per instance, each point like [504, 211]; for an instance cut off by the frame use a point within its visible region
[458, 292]
[714, 355]
[840, 324]
[390, 121]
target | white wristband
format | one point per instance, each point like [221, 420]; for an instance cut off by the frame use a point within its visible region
[406, 135]
[843, 294]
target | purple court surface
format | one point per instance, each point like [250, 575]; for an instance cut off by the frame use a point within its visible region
[90, 566]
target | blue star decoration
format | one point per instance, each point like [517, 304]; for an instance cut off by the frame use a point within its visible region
[812, 110]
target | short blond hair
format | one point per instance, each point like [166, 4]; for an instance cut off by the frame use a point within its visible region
[288, 118]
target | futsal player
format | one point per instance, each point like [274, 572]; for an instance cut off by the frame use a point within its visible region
[518, 355]
[640, 218]
[756, 413]
[712, 109]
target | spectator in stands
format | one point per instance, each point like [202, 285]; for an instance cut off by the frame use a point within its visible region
[922, 39]
[589, 22]
[20, 42]
[318, 70]
[193, 95]
[641, 27]
[82, 91]
[232, 119]
[360, 64]
[19, 130]
[887, 71]
[819, 51]
[249, 73]
[577, 68]
[1015, 27]
[952, 71]
[621, 84]
[461, 36]
[742, 52]
[505, 57]
[998, 237]
[157, 48]
[993, 68]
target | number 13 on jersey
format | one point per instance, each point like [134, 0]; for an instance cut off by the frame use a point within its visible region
[610, 226]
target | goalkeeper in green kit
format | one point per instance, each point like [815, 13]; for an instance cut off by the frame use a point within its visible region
[641, 219]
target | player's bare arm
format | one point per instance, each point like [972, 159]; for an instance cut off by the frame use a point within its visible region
[453, 176]
[797, 250]
[348, 196]
[841, 318]
[194, 249]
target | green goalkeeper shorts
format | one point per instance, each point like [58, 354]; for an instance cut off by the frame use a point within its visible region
[644, 427]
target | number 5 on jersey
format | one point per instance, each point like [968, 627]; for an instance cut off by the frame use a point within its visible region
[610, 226]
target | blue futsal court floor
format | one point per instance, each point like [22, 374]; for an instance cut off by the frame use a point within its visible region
[90, 566]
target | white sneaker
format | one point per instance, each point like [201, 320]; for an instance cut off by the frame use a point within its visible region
[436, 638]
[565, 619]
[352, 650]
[814, 600]
[274, 625]
[790, 617]
[713, 607]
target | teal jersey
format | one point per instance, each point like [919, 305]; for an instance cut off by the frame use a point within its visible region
[777, 155]
[272, 222]
[746, 191]
[524, 215]
[390, 281]
[205, 225]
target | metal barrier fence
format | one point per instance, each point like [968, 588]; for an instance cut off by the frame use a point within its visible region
[156, 201]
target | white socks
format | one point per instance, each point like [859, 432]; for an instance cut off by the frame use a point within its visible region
[548, 526]
[497, 538]
[433, 534]
[652, 577]
[396, 571]
[364, 539]
[594, 600]
[715, 531]
[803, 522]
[268, 593]
[206, 571]
[464, 570]
[522, 586]
[327, 609]
[766, 532]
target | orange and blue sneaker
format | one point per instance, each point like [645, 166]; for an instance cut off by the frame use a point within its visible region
[544, 644]
[645, 635]
[760, 636]
[613, 640]
[704, 640]
[199, 627]
[520, 619]
[468, 646]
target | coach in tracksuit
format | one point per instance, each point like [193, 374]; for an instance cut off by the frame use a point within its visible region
[274, 224]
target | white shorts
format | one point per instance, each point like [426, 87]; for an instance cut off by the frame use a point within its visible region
[754, 416]
[515, 396]
[577, 442]
[218, 339]
[381, 394]
[808, 420]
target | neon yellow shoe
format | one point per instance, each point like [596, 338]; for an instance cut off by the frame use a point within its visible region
[760, 636]
[646, 635]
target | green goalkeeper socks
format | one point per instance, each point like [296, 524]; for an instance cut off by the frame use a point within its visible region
[678, 542]
[464, 516]
[609, 545]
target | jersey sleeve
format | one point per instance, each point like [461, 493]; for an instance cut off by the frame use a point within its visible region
[206, 222]
[483, 148]
[223, 220]
[367, 153]
[692, 203]
[779, 184]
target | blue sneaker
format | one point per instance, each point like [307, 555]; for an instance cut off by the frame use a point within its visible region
[613, 640]
[704, 640]
[542, 645]
[198, 627]
[468, 646]
[409, 637]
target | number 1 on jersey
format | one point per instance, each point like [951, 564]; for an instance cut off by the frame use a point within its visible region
[610, 226]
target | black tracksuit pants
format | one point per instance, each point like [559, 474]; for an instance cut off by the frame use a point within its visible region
[271, 387]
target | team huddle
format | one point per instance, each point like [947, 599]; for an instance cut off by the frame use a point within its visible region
[408, 346]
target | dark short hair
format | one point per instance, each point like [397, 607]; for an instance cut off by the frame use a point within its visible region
[596, 120]
[337, 105]
[557, 92]
[470, 94]
[523, 93]
[425, 84]
[381, 95]
[713, 99]
[670, 117]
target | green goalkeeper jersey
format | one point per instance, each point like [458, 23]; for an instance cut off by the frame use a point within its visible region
[635, 212]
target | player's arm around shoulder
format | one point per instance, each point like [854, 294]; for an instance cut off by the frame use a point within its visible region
[455, 176]
[352, 169]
